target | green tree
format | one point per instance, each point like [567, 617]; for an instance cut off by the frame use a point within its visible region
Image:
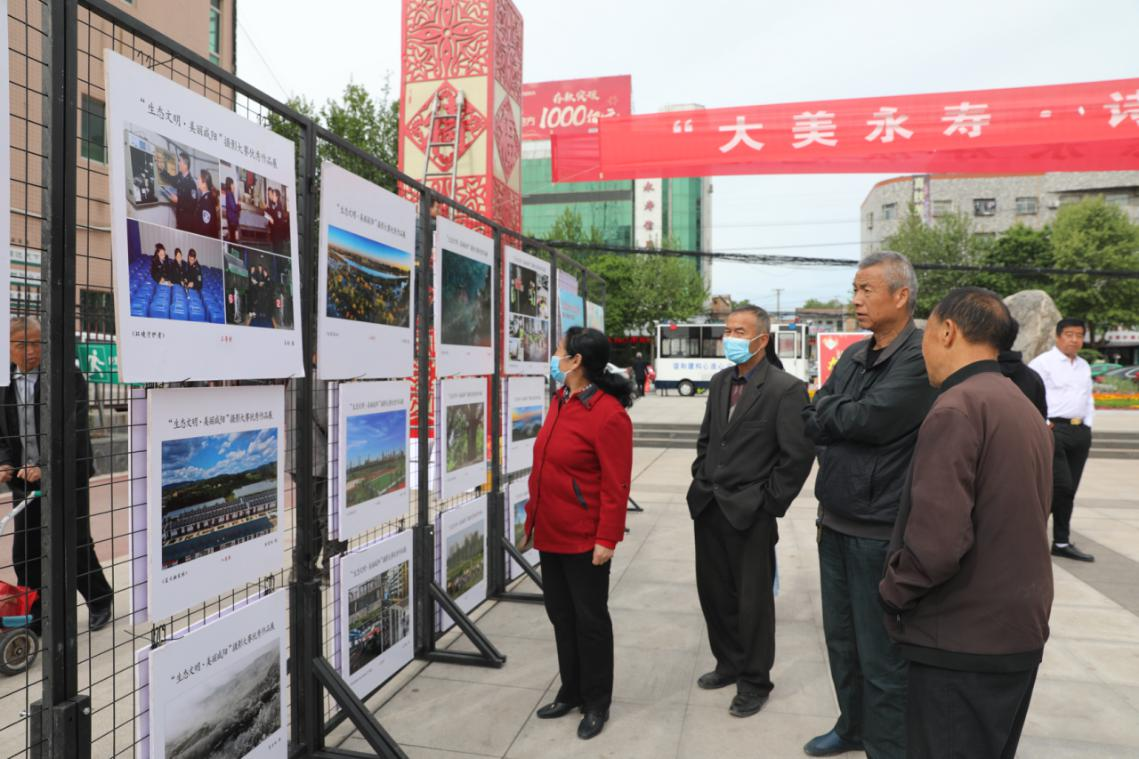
[950, 240]
[641, 290]
[1020, 247]
[1093, 234]
[817, 303]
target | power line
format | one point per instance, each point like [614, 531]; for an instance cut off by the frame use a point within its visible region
[285, 90]
[763, 259]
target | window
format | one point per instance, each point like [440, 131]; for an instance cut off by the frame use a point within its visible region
[1027, 206]
[889, 211]
[713, 342]
[1118, 198]
[215, 31]
[870, 220]
[942, 208]
[93, 130]
[984, 206]
[97, 312]
[682, 342]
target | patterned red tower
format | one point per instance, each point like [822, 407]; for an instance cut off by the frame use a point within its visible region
[472, 46]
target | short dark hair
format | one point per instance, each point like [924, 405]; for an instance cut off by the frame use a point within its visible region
[762, 318]
[1071, 321]
[193, 253]
[980, 314]
[159, 246]
[184, 156]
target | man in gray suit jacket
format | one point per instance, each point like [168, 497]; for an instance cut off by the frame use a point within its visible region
[752, 459]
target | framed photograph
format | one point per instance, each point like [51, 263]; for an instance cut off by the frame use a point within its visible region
[371, 456]
[214, 492]
[527, 399]
[375, 611]
[203, 239]
[571, 313]
[462, 547]
[464, 300]
[366, 290]
[527, 288]
[594, 316]
[218, 690]
[462, 417]
[517, 496]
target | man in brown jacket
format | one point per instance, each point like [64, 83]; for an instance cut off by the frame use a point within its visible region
[968, 584]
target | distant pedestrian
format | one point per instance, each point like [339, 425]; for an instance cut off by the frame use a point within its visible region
[1068, 384]
[752, 458]
[579, 495]
[1021, 375]
[865, 419]
[968, 582]
[640, 372]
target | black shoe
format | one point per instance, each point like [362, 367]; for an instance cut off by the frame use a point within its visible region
[831, 744]
[99, 617]
[591, 724]
[746, 704]
[715, 681]
[555, 710]
[1071, 552]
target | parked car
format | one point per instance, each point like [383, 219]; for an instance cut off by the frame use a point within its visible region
[1101, 368]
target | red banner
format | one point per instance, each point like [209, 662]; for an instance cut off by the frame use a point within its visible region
[1069, 127]
[830, 349]
[573, 104]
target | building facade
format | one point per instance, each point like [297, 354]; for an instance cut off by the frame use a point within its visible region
[207, 27]
[993, 202]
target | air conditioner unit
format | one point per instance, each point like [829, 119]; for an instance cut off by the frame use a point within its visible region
[1053, 204]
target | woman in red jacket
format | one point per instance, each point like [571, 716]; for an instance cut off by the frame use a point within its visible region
[579, 493]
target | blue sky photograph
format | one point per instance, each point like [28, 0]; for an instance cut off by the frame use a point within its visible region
[200, 458]
[371, 436]
[342, 238]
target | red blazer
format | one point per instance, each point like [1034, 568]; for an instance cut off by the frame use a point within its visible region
[579, 485]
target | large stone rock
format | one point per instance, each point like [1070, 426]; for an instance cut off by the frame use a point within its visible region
[1037, 315]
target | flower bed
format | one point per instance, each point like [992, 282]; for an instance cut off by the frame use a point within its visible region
[1116, 400]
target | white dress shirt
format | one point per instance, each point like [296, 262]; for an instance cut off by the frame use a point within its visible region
[26, 412]
[1067, 385]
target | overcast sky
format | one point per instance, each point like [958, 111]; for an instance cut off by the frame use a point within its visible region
[727, 52]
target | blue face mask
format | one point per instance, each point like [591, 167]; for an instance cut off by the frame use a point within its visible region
[556, 373]
[737, 350]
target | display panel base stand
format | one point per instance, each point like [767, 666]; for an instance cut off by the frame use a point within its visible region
[531, 572]
[633, 505]
[363, 720]
[487, 655]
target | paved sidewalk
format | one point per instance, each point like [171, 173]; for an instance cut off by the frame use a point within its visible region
[1086, 702]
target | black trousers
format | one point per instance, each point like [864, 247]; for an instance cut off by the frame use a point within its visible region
[965, 715]
[734, 574]
[27, 549]
[577, 603]
[1070, 454]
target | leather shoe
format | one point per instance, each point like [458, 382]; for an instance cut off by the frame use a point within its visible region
[555, 710]
[591, 724]
[99, 617]
[746, 704]
[831, 744]
[1071, 552]
[715, 681]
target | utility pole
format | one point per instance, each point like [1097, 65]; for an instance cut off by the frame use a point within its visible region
[778, 310]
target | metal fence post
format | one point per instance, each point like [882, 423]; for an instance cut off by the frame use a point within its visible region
[424, 558]
[496, 565]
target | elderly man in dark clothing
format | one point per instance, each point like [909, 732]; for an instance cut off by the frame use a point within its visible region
[968, 583]
[1019, 372]
[865, 420]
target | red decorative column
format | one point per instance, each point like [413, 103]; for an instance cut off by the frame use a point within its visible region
[472, 46]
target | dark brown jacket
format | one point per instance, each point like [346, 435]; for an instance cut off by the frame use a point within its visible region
[968, 582]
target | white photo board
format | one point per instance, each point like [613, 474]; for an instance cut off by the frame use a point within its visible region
[203, 237]
[464, 300]
[517, 496]
[371, 462]
[527, 325]
[462, 418]
[214, 492]
[462, 543]
[526, 400]
[375, 597]
[366, 287]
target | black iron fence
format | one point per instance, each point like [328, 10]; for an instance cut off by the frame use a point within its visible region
[68, 690]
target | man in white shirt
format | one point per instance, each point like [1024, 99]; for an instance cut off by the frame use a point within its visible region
[1068, 386]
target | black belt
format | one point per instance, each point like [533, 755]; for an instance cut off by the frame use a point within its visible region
[1077, 422]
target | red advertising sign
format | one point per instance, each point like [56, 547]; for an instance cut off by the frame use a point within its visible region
[571, 104]
[830, 348]
[1069, 127]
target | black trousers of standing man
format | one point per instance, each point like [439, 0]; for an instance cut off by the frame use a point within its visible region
[965, 715]
[577, 602]
[1073, 442]
[734, 575]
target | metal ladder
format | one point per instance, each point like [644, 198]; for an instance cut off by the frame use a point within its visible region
[436, 117]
